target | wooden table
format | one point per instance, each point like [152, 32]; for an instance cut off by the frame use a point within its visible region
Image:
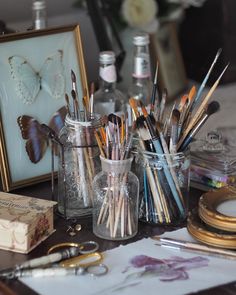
[9, 259]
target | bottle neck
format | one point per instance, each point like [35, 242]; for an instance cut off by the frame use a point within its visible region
[39, 15]
[107, 77]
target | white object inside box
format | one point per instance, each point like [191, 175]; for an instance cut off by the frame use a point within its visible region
[24, 222]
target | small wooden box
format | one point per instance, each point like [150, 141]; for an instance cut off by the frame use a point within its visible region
[24, 222]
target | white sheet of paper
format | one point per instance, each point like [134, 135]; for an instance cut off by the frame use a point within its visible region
[218, 271]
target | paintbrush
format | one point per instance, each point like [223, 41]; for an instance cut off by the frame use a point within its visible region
[199, 92]
[175, 116]
[75, 105]
[194, 247]
[159, 150]
[182, 118]
[134, 107]
[91, 105]
[68, 104]
[212, 108]
[187, 113]
[200, 109]
[154, 89]
[162, 105]
[182, 102]
[73, 80]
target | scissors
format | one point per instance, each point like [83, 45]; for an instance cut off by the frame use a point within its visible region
[89, 261]
[88, 250]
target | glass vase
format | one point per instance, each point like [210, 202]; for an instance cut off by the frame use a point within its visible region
[79, 162]
[116, 193]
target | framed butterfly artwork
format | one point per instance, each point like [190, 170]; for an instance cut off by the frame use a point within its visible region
[35, 74]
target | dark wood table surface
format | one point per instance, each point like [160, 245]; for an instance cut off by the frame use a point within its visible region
[9, 259]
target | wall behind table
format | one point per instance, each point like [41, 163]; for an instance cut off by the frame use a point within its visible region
[202, 32]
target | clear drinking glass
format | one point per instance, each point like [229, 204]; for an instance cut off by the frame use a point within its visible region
[116, 193]
[164, 179]
[79, 162]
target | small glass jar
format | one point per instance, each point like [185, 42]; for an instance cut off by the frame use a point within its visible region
[116, 193]
[79, 162]
[164, 179]
[213, 160]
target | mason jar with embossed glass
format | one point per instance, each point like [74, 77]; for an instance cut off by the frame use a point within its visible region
[79, 162]
[164, 181]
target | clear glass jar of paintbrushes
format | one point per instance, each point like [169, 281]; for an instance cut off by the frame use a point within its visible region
[116, 189]
[164, 182]
[78, 164]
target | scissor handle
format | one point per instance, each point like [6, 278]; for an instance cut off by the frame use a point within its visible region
[84, 260]
[84, 247]
[97, 270]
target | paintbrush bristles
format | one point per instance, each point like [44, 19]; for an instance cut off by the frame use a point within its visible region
[134, 107]
[201, 107]
[73, 76]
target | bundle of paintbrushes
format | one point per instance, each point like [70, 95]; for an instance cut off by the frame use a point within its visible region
[116, 188]
[80, 162]
[164, 143]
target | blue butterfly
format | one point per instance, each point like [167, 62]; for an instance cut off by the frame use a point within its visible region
[29, 82]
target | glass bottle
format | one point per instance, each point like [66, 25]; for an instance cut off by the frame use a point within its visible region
[79, 162]
[141, 85]
[108, 99]
[116, 194]
[39, 14]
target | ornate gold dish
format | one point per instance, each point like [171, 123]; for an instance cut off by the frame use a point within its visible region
[208, 212]
[209, 235]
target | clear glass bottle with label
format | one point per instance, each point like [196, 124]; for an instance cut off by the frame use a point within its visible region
[141, 86]
[39, 14]
[108, 99]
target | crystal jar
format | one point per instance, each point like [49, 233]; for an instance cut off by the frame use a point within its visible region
[116, 194]
[164, 179]
[78, 164]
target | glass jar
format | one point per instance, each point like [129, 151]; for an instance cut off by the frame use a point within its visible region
[78, 164]
[164, 179]
[116, 192]
[213, 160]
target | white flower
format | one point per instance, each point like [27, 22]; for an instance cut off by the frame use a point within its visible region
[139, 13]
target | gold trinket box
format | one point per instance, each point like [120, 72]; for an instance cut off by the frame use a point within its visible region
[24, 222]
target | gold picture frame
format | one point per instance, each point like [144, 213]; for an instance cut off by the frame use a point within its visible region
[40, 52]
[165, 48]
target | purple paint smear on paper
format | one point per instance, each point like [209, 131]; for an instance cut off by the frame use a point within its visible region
[167, 270]
[171, 269]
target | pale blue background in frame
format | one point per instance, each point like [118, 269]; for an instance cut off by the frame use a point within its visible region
[35, 50]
